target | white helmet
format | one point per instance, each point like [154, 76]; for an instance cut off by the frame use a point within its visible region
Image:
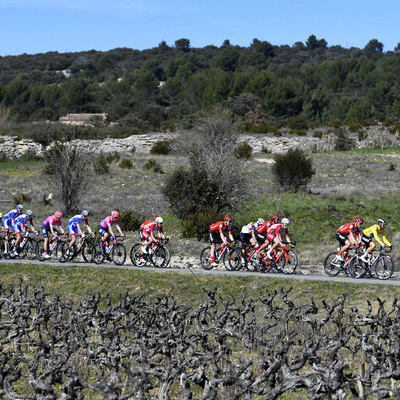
[29, 213]
[260, 221]
[285, 221]
[159, 220]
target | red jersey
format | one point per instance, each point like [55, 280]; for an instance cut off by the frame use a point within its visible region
[264, 227]
[145, 223]
[349, 228]
[219, 226]
[150, 226]
[277, 229]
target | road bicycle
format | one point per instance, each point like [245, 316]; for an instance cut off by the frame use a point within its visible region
[25, 248]
[383, 264]
[282, 260]
[83, 246]
[158, 254]
[333, 266]
[115, 251]
[54, 246]
[229, 256]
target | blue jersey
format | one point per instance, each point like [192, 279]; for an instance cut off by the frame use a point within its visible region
[77, 219]
[22, 219]
[11, 214]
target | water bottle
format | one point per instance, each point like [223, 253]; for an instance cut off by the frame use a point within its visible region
[52, 245]
[108, 249]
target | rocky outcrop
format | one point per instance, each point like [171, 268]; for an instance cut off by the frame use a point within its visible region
[317, 140]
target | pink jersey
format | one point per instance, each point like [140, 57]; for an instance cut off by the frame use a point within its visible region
[108, 222]
[51, 221]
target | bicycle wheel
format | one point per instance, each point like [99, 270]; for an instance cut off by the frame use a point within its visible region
[138, 259]
[30, 249]
[97, 253]
[384, 267]
[87, 251]
[158, 257]
[332, 266]
[290, 263]
[39, 250]
[62, 251]
[234, 257]
[205, 258]
[357, 268]
[118, 254]
[168, 255]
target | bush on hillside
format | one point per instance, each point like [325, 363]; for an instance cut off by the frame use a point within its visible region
[244, 151]
[129, 220]
[293, 170]
[161, 148]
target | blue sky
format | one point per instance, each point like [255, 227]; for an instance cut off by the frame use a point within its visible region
[38, 26]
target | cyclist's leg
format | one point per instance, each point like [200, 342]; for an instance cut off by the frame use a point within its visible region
[72, 230]
[213, 241]
[344, 244]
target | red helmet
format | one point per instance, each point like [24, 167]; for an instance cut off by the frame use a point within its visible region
[115, 214]
[154, 217]
[58, 214]
[275, 216]
[228, 218]
[358, 219]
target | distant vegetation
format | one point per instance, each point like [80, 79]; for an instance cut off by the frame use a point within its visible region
[163, 88]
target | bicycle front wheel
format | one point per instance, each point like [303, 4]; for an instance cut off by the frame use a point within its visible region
[234, 257]
[118, 254]
[291, 262]
[205, 258]
[30, 249]
[357, 268]
[62, 251]
[332, 266]
[97, 253]
[39, 250]
[161, 256]
[87, 252]
[384, 267]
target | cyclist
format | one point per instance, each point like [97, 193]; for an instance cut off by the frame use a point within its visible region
[218, 228]
[74, 226]
[20, 226]
[261, 234]
[349, 234]
[105, 228]
[143, 225]
[274, 235]
[373, 232]
[247, 236]
[8, 222]
[147, 232]
[48, 226]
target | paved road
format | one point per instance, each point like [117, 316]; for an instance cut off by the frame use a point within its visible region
[216, 272]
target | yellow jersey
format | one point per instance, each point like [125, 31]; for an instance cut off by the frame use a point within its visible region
[373, 232]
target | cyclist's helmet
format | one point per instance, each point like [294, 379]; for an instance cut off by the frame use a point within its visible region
[358, 219]
[228, 218]
[285, 221]
[29, 213]
[19, 207]
[58, 214]
[382, 221]
[260, 221]
[159, 220]
[115, 214]
[85, 213]
[275, 217]
[154, 217]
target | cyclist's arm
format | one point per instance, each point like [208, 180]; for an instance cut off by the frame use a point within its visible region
[119, 230]
[231, 236]
[385, 239]
[221, 233]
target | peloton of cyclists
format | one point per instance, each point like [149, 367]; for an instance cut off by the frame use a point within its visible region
[217, 232]
[20, 227]
[74, 226]
[48, 227]
[247, 236]
[347, 235]
[373, 232]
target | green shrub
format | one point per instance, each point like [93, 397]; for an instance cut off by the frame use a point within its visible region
[130, 221]
[293, 170]
[318, 134]
[150, 164]
[198, 225]
[126, 163]
[261, 128]
[299, 132]
[265, 149]
[392, 167]
[297, 123]
[22, 198]
[342, 141]
[362, 135]
[161, 148]
[101, 164]
[244, 151]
